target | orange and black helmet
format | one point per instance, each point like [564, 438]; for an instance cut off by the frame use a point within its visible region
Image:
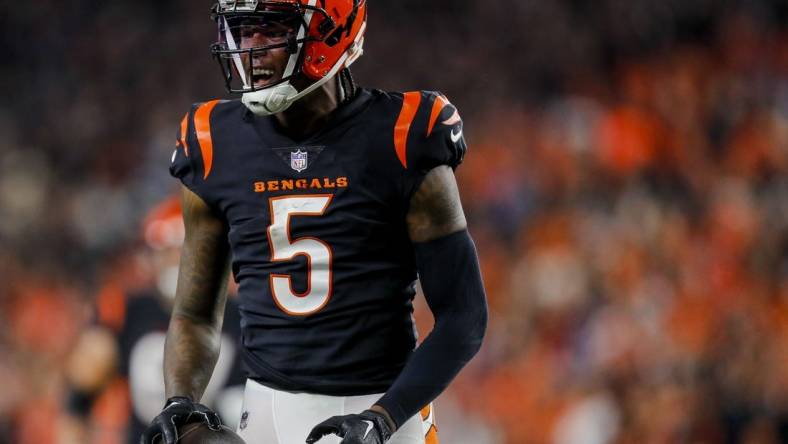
[321, 37]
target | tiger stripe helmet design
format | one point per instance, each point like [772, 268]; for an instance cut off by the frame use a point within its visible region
[322, 38]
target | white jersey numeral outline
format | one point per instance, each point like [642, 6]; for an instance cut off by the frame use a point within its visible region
[318, 254]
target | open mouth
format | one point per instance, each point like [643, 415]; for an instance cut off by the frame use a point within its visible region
[262, 76]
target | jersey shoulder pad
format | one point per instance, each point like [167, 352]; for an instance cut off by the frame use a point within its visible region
[428, 131]
[192, 160]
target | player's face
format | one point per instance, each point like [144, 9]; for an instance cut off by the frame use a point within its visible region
[268, 66]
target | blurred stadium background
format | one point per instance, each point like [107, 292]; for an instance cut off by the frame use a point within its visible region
[626, 185]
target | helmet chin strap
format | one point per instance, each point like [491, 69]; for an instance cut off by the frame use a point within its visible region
[278, 98]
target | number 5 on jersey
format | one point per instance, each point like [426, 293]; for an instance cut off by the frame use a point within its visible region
[318, 254]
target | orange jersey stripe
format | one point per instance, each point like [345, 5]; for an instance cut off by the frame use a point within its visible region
[202, 126]
[437, 107]
[184, 128]
[409, 107]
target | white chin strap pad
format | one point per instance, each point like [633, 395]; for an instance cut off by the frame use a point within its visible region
[278, 98]
[271, 100]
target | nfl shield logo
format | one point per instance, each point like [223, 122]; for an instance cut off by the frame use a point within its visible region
[298, 160]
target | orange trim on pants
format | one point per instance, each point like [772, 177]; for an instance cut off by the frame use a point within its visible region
[428, 419]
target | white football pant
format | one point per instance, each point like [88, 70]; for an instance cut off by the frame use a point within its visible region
[275, 417]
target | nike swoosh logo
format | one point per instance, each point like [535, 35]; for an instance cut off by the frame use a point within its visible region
[369, 428]
[455, 137]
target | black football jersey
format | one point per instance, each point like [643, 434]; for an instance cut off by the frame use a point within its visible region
[317, 228]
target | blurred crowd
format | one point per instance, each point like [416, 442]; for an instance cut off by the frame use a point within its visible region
[626, 184]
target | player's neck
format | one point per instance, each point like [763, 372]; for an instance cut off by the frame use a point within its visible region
[308, 115]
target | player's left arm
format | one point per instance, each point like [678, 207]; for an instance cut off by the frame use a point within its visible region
[452, 283]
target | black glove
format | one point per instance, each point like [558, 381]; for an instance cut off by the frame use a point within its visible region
[177, 412]
[367, 427]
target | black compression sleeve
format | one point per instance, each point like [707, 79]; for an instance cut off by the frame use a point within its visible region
[452, 284]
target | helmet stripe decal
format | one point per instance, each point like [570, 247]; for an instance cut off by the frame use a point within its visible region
[352, 53]
[410, 105]
[437, 107]
[202, 126]
[184, 128]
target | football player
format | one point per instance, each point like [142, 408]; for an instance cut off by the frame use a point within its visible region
[324, 199]
[132, 349]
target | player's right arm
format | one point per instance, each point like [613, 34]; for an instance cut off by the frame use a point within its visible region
[193, 338]
[192, 345]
